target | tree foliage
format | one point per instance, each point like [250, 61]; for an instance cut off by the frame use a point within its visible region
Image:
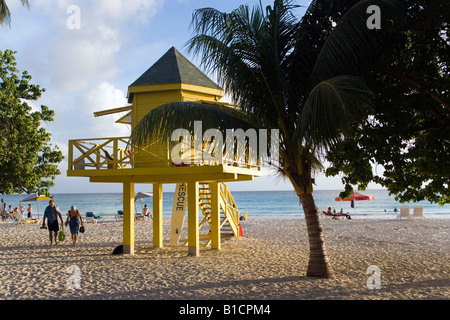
[28, 160]
[409, 131]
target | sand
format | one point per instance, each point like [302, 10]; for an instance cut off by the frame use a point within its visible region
[268, 263]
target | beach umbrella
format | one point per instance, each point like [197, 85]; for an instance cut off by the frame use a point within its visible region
[139, 196]
[142, 195]
[37, 198]
[355, 196]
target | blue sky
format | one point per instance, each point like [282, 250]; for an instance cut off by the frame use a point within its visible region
[89, 69]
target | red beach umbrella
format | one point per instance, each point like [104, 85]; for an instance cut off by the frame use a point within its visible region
[355, 196]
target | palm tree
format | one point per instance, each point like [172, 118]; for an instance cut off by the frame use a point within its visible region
[5, 14]
[284, 73]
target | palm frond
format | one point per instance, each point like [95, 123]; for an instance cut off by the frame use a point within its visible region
[247, 48]
[352, 45]
[5, 14]
[161, 122]
[332, 106]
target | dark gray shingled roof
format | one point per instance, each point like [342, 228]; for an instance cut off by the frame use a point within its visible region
[173, 67]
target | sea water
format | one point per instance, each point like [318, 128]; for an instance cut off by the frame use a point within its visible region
[258, 204]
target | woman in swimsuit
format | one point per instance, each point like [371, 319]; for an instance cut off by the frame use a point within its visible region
[73, 220]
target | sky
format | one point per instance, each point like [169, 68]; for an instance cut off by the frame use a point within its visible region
[87, 64]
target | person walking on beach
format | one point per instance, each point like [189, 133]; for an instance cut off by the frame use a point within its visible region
[73, 220]
[51, 213]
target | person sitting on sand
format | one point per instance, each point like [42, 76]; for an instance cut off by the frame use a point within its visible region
[146, 212]
[73, 220]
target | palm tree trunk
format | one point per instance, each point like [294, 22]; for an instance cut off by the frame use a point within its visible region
[318, 265]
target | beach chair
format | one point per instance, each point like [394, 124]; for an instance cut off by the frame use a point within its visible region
[139, 216]
[323, 213]
[20, 219]
[119, 215]
[91, 217]
[332, 216]
[13, 218]
[418, 212]
[404, 213]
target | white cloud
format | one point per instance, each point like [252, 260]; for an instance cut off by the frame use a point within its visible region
[103, 96]
[123, 10]
[79, 58]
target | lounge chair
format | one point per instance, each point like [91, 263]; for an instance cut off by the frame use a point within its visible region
[139, 216]
[331, 216]
[15, 218]
[323, 213]
[119, 215]
[404, 213]
[418, 212]
[20, 219]
[91, 217]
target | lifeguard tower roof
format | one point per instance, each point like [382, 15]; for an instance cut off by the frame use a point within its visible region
[171, 68]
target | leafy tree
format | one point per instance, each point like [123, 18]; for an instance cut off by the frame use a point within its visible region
[300, 76]
[5, 14]
[409, 131]
[28, 160]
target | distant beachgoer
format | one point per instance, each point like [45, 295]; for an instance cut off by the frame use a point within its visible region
[30, 211]
[15, 213]
[21, 209]
[395, 209]
[73, 220]
[146, 212]
[51, 213]
[3, 212]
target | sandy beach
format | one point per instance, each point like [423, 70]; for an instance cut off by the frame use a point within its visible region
[268, 263]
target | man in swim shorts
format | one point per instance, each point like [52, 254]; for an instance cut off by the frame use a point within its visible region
[51, 213]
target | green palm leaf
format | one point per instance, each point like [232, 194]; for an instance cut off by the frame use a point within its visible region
[5, 14]
[331, 108]
[161, 122]
[352, 46]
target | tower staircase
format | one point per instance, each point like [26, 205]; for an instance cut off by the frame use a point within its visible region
[229, 213]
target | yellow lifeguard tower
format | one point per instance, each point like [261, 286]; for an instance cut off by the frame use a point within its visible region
[172, 78]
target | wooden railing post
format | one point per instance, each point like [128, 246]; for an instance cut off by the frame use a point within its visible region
[115, 153]
[70, 155]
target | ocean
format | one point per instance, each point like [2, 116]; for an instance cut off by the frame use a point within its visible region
[258, 204]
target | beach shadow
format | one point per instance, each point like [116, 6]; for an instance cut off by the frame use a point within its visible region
[214, 290]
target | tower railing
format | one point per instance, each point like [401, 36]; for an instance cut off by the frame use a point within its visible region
[119, 153]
